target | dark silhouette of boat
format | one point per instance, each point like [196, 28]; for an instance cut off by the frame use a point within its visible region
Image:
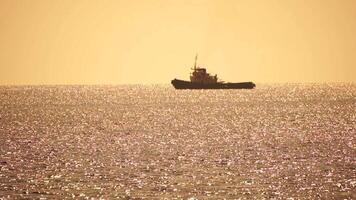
[200, 79]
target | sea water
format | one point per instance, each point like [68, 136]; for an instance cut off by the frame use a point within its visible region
[278, 141]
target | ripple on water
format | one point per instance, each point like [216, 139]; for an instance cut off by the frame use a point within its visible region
[287, 141]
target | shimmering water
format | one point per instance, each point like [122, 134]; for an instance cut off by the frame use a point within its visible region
[294, 141]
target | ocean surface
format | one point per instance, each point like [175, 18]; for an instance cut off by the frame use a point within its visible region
[278, 141]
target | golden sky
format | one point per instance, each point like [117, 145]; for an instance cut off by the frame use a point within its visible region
[154, 41]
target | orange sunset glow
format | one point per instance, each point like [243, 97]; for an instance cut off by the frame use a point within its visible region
[154, 41]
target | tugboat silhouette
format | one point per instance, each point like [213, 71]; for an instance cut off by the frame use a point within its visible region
[200, 79]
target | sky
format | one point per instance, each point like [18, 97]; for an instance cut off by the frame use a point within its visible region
[155, 41]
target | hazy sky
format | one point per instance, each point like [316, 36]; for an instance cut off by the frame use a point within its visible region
[154, 41]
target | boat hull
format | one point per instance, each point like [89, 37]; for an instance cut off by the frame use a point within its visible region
[181, 84]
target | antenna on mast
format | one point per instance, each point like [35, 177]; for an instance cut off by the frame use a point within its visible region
[195, 64]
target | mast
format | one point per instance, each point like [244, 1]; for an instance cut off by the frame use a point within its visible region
[195, 64]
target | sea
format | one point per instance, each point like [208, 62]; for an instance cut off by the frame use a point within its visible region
[277, 141]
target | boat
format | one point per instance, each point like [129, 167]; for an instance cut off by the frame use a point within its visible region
[200, 79]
